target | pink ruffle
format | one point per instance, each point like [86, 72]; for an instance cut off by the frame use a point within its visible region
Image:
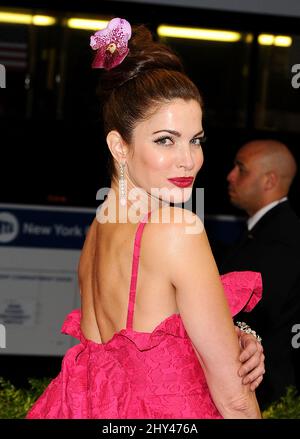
[243, 290]
[153, 375]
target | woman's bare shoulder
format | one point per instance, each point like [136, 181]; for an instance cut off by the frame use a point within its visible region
[175, 219]
[169, 227]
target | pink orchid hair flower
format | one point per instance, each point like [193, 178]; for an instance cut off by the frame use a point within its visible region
[111, 44]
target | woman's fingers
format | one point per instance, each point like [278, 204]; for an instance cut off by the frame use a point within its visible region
[252, 357]
[250, 346]
[255, 373]
[256, 383]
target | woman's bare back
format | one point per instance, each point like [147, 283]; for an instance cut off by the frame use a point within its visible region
[104, 278]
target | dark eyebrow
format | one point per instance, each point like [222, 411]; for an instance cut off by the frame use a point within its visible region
[176, 133]
[237, 162]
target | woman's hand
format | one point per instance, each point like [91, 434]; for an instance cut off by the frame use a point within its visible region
[252, 358]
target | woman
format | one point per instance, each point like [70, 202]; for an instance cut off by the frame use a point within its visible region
[156, 331]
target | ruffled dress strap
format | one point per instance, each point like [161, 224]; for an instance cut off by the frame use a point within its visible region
[71, 325]
[243, 290]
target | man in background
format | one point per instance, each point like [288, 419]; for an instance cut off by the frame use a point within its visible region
[259, 184]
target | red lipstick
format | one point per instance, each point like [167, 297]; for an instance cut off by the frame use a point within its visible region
[182, 181]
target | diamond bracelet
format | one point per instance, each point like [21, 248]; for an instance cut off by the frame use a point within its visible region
[246, 328]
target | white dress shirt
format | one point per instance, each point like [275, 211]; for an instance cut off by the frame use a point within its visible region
[261, 212]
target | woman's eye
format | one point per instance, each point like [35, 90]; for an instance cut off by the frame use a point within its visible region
[199, 140]
[164, 141]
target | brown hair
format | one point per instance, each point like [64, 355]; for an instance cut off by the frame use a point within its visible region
[150, 75]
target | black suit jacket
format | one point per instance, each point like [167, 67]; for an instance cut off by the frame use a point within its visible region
[272, 248]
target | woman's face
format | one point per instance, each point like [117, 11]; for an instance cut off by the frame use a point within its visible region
[166, 148]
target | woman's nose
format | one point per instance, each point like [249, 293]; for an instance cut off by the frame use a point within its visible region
[186, 158]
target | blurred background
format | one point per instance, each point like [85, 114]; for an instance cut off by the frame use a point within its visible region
[54, 155]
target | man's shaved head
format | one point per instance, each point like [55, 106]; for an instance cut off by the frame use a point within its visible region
[274, 156]
[263, 172]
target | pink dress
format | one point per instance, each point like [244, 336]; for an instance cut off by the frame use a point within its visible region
[138, 374]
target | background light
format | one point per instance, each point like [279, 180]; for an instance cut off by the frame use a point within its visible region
[10, 17]
[198, 34]
[82, 23]
[272, 40]
[43, 20]
[283, 41]
[37, 20]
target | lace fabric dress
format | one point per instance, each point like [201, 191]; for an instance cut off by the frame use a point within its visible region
[136, 374]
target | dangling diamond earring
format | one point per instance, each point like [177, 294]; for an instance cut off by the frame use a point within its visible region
[122, 183]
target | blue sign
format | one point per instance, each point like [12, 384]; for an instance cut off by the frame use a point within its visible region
[37, 226]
